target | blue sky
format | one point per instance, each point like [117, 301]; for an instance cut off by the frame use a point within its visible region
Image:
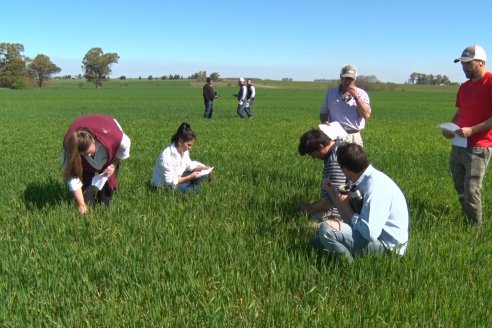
[303, 40]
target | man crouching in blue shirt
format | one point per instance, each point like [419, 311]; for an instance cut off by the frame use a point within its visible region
[382, 222]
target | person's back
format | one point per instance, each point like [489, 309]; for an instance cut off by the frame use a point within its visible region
[387, 204]
[380, 224]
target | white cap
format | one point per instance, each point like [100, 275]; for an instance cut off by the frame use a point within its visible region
[472, 52]
[241, 79]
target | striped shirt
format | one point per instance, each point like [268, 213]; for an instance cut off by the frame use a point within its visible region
[332, 171]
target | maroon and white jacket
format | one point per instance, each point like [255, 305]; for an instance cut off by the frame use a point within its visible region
[108, 135]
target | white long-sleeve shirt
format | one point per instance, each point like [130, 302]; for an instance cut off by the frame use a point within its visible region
[170, 166]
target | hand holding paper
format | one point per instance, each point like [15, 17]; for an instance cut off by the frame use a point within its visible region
[333, 130]
[99, 181]
[204, 172]
[452, 128]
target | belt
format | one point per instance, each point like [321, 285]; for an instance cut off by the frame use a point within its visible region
[352, 131]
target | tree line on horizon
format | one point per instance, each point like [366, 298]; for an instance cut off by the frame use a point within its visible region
[18, 71]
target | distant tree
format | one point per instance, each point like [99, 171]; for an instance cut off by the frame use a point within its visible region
[150, 77]
[413, 78]
[199, 76]
[215, 76]
[286, 79]
[41, 69]
[163, 77]
[367, 79]
[368, 82]
[12, 65]
[123, 77]
[176, 77]
[97, 65]
[420, 78]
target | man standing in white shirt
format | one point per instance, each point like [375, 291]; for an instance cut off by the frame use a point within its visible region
[241, 98]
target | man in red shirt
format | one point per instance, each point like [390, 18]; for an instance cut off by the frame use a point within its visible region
[474, 117]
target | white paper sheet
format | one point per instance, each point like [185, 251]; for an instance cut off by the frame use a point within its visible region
[457, 140]
[205, 172]
[333, 130]
[99, 181]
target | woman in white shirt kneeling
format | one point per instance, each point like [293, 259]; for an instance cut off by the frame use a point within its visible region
[174, 167]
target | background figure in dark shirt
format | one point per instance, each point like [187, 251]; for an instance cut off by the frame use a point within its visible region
[208, 98]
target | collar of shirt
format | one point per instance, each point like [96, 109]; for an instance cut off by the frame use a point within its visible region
[100, 157]
[367, 172]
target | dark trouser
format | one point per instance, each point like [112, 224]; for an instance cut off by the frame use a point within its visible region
[91, 194]
[209, 108]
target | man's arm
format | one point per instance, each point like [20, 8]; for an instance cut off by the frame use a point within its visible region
[465, 132]
[363, 109]
[362, 101]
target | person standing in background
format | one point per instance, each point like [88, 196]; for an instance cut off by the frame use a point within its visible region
[208, 98]
[250, 97]
[474, 119]
[347, 105]
[241, 98]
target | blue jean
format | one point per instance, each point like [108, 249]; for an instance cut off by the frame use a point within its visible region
[241, 109]
[468, 167]
[193, 185]
[345, 242]
[209, 108]
[247, 107]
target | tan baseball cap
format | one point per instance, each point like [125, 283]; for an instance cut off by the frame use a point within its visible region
[349, 71]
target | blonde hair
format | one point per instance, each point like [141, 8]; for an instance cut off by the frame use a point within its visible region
[77, 143]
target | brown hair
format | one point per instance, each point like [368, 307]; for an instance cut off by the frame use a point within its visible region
[77, 143]
[311, 140]
[352, 157]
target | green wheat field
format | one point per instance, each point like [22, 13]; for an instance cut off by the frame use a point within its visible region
[237, 254]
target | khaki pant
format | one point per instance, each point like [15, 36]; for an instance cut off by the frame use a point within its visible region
[353, 138]
[468, 167]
